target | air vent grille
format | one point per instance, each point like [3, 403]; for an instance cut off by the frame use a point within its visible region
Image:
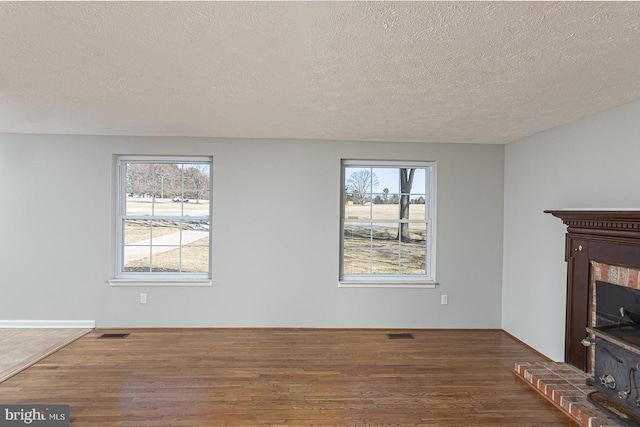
[400, 336]
[114, 335]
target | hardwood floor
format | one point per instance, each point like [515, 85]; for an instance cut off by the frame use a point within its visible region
[288, 377]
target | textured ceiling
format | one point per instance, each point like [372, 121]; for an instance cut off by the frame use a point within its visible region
[478, 72]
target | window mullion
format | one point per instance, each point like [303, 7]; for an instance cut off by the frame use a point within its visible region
[180, 246]
[370, 248]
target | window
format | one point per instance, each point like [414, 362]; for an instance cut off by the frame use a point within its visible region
[163, 218]
[387, 231]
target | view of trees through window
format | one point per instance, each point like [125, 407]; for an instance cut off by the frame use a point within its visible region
[165, 216]
[385, 219]
[168, 180]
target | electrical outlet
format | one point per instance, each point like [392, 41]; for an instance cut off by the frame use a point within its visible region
[143, 298]
[444, 299]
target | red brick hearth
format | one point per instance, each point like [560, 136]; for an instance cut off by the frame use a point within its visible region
[565, 386]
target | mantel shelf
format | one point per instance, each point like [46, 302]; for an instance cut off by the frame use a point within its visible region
[631, 216]
[619, 222]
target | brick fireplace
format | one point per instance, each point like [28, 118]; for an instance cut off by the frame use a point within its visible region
[600, 245]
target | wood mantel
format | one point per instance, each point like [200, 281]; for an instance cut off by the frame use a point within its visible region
[607, 236]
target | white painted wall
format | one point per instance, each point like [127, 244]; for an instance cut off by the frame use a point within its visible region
[275, 263]
[592, 162]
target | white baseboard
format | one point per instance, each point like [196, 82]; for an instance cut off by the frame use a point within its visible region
[84, 324]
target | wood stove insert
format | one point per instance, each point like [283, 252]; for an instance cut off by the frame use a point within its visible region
[617, 351]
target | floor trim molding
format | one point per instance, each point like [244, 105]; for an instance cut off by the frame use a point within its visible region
[34, 324]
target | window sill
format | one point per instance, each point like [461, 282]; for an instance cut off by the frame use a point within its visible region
[160, 282]
[386, 284]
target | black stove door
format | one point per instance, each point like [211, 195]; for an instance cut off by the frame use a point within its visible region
[616, 374]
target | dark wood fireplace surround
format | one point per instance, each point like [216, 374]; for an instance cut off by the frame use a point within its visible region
[607, 236]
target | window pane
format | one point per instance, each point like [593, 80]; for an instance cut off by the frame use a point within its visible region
[357, 261]
[136, 258]
[139, 204]
[385, 261]
[168, 207]
[353, 211]
[166, 259]
[357, 235]
[386, 210]
[388, 179]
[139, 180]
[167, 178]
[416, 185]
[196, 207]
[385, 235]
[173, 189]
[204, 241]
[194, 232]
[419, 181]
[195, 179]
[414, 236]
[137, 232]
[169, 230]
[413, 249]
[195, 259]
[359, 184]
[416, 207]
[413, 262]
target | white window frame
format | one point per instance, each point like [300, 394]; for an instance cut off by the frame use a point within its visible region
[124, 278]
[427, 280]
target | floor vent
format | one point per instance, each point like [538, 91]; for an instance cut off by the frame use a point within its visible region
[113, 335]
[400, 336]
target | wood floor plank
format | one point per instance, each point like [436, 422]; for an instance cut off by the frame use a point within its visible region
[288, 377]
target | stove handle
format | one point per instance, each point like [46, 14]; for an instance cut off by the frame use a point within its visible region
[588, 342]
